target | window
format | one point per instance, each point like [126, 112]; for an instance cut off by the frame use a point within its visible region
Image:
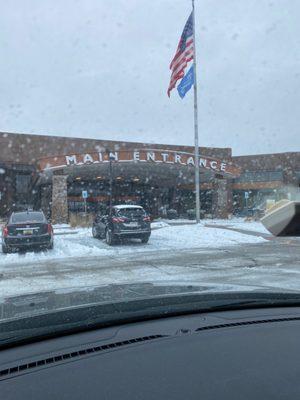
[260, 176]
[22, 183]
[27, 216]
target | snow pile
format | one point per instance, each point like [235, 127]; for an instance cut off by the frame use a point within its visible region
[159, 224]
[178, 221]
[61, 226]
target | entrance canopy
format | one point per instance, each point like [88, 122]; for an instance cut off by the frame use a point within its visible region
[163, 168]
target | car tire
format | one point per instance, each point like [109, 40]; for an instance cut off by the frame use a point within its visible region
[109, 237]
[5, 249]
[95, 233]
[50, 246]
[145, 239]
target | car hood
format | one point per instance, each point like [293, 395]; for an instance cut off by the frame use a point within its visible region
[48, 301]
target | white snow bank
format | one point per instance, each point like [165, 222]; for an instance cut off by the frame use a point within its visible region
[159, 224]
[61, 226]
[178, 221]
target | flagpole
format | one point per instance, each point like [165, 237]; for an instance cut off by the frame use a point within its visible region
[197, 172]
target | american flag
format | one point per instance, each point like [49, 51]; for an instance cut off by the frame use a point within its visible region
[184, 54]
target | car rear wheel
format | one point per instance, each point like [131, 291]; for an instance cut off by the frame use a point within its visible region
[145, 239]
[5, 249]
[109, 237]
[94, 232]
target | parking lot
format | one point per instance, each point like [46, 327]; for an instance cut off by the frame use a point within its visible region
[79, 242]
[183, 252]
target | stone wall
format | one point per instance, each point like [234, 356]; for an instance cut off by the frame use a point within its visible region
[222, 198]
[59, 199]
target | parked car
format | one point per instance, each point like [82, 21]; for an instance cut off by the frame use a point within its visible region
[124, 221]
[27, 229]
[172, 214]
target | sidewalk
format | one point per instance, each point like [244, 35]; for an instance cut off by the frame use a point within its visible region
[266, 236]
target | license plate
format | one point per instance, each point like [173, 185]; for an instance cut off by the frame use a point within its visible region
[132, 224]
[27, 232]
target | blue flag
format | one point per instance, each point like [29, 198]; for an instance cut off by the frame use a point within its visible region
[186, 82]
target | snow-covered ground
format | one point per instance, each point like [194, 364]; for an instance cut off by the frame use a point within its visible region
[185, 254]
[239, 223]
[164, 237]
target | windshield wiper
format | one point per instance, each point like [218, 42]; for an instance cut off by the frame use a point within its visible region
[78, 319]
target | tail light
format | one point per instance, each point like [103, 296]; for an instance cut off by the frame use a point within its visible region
[147, 219]
[118, 220]
[5, 231]
[49, 229]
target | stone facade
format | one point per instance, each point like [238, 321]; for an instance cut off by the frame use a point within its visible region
[59, 199]
[222, 198]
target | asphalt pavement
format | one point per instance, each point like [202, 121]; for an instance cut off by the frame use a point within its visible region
[274, 263]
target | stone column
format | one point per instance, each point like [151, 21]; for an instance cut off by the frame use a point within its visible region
[222, 198]
[59, 199]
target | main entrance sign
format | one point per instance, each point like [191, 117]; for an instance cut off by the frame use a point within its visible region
[139, 156]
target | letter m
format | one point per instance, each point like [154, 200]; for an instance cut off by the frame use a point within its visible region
[70, 160]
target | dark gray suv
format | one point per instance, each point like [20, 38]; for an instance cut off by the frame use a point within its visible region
[124, 221]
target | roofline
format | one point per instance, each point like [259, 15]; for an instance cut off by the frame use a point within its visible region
[267, 154]
[110, 141]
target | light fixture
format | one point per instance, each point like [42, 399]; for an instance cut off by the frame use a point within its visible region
[136, 179]
[77, 178]
[99, 177]
[119, 178]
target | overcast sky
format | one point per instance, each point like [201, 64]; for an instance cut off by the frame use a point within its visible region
[100, 69]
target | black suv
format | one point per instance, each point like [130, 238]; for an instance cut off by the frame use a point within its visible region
[27, 229]
[124, 221]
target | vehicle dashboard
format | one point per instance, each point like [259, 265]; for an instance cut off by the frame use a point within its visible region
[228, 355]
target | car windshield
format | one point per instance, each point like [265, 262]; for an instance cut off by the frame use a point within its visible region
[148, 149]
[17, 218]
